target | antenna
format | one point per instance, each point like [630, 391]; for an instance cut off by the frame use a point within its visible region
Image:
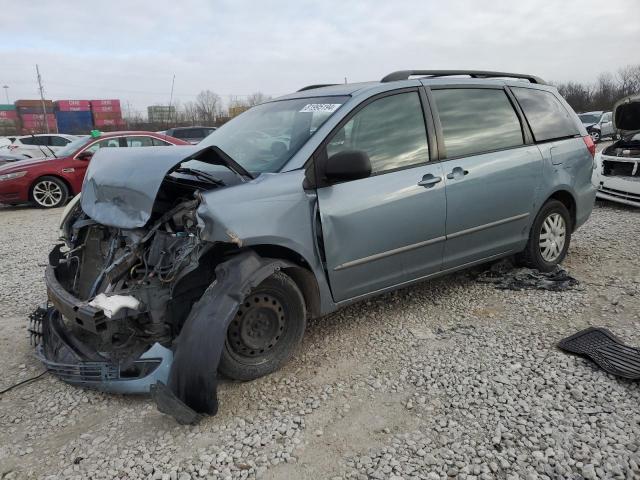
[44, 108]
[6, 92]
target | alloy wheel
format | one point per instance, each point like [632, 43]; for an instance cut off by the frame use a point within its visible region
[47, 193]
[595, 136]
[552, 237]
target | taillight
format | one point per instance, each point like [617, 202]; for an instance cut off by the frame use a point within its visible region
[588, 141]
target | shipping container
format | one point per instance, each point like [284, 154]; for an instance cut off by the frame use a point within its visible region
[31, 110]
[33, 103]
[106, 109]
[9, 114]
[107, 115]
[6, 107]
[105, 103]
[109, 122]
[74, 122]
[73, 105]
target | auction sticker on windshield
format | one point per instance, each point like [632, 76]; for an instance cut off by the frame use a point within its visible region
[320, 107]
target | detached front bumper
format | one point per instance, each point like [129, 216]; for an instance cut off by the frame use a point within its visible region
[74, 362]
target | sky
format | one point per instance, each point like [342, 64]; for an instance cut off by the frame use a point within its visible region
[131, 49]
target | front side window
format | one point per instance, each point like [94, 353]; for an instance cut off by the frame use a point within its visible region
[390, 130]
[267, 136]
[606, 118]
[477, 120]
[547, 117]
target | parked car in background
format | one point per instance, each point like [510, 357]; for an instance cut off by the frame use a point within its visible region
[617, 172]
[221, 252]
[599, 124]
[41, 145]
[49, 182]
[6, 157]
[6, 141]
[192, 135]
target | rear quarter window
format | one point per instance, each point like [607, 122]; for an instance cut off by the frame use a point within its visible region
[547, 117]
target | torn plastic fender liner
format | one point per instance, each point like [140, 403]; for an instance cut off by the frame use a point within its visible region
[193, 377]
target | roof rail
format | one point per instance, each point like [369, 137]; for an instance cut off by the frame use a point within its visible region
[320, 85]
[405, 74]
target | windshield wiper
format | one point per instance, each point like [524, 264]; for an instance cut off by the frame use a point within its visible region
[200, 174]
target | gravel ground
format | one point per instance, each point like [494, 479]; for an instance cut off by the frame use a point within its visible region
[449, 379]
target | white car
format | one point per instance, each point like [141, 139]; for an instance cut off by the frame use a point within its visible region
[41, 145]
[617, 169]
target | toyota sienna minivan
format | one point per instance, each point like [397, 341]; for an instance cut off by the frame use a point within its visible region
[179, 263]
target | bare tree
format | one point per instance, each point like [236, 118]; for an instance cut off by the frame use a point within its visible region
[208, 106]
[190, 113]
[257, 98]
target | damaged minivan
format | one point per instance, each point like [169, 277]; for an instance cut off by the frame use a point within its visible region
[179, 264]
[617, 173]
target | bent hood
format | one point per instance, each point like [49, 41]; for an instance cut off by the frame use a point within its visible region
[626, 115]
[121, 184]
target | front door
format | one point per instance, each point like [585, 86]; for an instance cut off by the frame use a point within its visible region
[491, 175]
[388, 228]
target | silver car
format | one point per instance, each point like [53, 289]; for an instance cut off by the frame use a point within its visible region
[599, 124]
[178, 264]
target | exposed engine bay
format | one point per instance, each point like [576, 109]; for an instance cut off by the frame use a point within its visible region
[121, 301]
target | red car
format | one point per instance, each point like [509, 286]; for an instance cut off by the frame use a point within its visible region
[50, 182]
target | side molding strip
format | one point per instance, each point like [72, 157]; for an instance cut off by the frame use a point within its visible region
[378, 256]
[388, 253]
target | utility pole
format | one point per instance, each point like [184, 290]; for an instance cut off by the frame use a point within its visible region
[44, 108]
[170, 101]
[6, 92]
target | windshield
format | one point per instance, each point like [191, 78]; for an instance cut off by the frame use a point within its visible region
[264, 138]
[589, 118]
[72, 147]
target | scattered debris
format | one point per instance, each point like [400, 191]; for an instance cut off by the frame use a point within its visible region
[604, 348]
[505, 276]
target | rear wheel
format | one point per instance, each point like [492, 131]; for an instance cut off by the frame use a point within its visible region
[549, 237]
[595, 136]
[49, 192]
[266, 330]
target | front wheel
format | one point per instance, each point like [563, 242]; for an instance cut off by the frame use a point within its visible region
[595, 136]
[549, 237]
[49, 192]
[266, 330]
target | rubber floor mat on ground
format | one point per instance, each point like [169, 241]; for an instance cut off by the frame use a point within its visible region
[602, 346]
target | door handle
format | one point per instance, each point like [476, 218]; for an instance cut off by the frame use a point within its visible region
[429, 181]
[457, 173]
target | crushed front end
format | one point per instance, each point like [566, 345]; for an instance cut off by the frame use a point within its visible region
[117, 300]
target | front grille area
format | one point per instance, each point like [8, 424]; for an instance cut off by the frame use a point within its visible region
[620, 194]
[614, 168]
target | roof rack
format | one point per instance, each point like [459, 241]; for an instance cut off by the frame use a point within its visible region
[320, 85]
[405, 74]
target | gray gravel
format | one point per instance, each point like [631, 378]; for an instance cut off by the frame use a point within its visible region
[449, 379]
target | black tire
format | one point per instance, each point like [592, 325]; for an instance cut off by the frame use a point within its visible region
[58, 193]
[267, 329]
[532, 256]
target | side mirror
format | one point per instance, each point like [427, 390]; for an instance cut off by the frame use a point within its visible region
[86, 155]
[347, 165]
